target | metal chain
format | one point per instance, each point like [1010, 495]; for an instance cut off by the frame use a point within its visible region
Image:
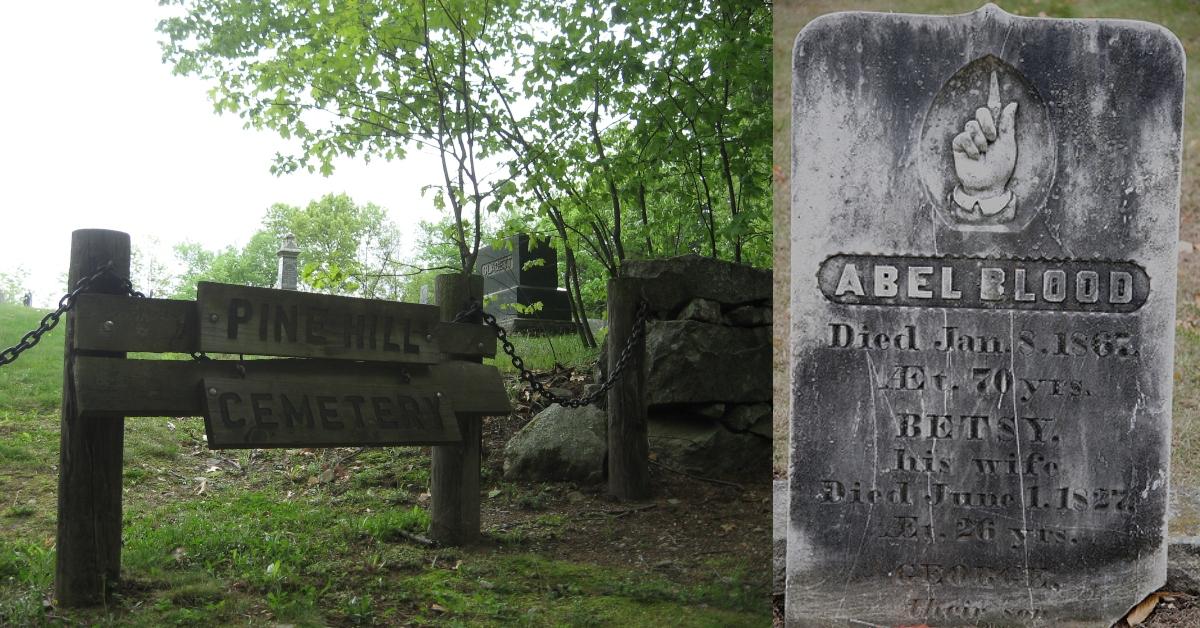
[639, 330]
[49, 321]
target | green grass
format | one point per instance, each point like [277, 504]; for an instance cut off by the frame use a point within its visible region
[37, 384]
[256, 537]
[542, 353]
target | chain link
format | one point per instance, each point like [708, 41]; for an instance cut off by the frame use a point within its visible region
[639, 330]
[49, 321]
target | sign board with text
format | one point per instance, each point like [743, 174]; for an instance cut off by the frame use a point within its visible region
[324, 412]
[365, 372]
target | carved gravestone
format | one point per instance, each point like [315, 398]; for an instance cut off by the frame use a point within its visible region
[519, 274]
[984, 221]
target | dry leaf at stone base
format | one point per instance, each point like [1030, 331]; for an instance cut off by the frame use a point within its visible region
[437, 608]
[1139, 613]
[1196, 299]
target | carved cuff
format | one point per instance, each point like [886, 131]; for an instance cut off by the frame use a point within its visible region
[982, 206]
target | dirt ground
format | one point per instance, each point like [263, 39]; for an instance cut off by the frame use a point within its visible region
[687, 520]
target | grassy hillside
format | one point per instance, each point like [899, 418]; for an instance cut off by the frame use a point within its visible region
[325, 537]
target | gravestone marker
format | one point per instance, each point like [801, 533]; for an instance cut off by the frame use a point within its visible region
[984, 220]
[517, 275]
[288, 276]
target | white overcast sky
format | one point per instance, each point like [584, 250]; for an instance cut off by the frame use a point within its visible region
[95, 132]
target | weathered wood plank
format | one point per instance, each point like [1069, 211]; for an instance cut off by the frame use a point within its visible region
[261, 321]
[111, 387]
[318, 411]
[267, 322]
[466, 340]
[108, 322]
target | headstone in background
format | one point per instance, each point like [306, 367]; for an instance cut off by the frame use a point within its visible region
[518, 274]
[984, 223]
[288, 277]
[424, 295]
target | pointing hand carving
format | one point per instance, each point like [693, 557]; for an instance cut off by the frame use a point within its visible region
[985, 155]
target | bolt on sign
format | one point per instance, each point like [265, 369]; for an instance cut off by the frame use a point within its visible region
[984, 216]
[373, 372]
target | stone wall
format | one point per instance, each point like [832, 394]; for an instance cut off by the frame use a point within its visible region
[708, 379]
[708, 366]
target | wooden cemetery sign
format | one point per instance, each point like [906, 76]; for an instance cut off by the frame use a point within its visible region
[354, 372]
[380, 374]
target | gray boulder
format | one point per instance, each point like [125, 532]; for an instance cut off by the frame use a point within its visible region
[673, 282]
[744, 417]
[702, 310]
[693, 362]
[706, 448]
[749, 316]
[1183, 565]
[559, 445]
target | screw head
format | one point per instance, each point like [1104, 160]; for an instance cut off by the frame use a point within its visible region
[214, 317]
[212, 391]
[109, 325]
[438, 395]
[429, 337]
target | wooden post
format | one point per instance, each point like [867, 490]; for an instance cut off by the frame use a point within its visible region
[628, 448]
[89, 473]
[454, 477]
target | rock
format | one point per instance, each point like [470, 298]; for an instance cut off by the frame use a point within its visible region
[1186, 248]
[693, 362]
[675, 281]
[765, 425]
[702, 310]
[749, 316]
[742, 417]
[709, 410]
[707, 448]
[1183, 565]
[559, 444]
[601, 402]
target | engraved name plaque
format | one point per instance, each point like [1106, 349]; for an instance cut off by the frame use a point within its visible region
[984, 216]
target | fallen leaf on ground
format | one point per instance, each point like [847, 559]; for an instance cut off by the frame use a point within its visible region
[1139, 613]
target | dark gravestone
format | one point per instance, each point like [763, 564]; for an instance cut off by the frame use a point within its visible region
[515, 276]
[984, 221]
